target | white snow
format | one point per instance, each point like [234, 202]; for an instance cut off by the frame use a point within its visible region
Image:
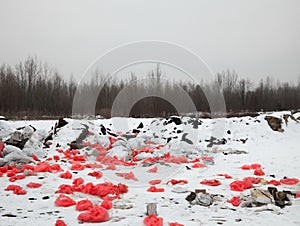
[277, 152]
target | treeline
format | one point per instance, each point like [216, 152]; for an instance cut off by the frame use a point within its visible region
[36, 90]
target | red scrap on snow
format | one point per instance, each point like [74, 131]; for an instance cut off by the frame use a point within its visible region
[96, 174]
[212, 182]
[173, 181]
[127, 176]
[106, 204]
[274, 182]
[153, 170]
[289, 181]
[235, 201]
[66, 175]
[84, 205]
[154, 182]
[155, 189]
[153, 220]
[16, 189]
[198, 165]
[175, 224]
[60, 223]
[242, 185]
[94, 215]
[64, 201]
[33, 185]
[259, 172]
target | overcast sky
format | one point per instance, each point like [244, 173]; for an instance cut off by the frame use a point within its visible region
[256, 38]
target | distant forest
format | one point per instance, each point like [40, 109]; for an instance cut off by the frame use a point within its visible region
[36, 90]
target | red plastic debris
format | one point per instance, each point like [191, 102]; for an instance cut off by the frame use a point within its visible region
[254, 180]
[211, 182]
[96, 174]
[34, 157]
[247, 183]
[65, 188]
[56, 157]
[94, 215]
[84, 205]
[274, 182]
[245, 167]
[77, 166]
[297, 195]
[155, 189]
[16, 189]
[127, 176]
[153, 220]
[42, 167]
[78, 181]
[198, 165]
[33, 185]
[255, 166]
[64, 201]
[175, 224]
[16, 177]
[237, 186]
[235, 201]
[106, 204]
[227, 176]
[259, 172]
[66, 175]
[154, 182]
[289, 181]
[153, 170]
[173, 181]
[19, 191]
[60, 223]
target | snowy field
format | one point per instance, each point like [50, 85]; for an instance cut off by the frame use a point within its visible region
[132, 152]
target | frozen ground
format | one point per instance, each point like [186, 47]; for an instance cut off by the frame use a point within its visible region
[277, 152]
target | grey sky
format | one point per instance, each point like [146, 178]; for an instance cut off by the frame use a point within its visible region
[255, 38]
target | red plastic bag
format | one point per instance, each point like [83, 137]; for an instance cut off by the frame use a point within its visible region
[198, 165]
[60, 223]
[274, 182]
[33, 185]
[96, 174]
[247, 183]
[16, 177]
[66, 175]
[65, 188]
[254, 180]
[289, 181]
[127, 176]
[235, 201]
[237, 186]
[153, 170]
[175, 224]
[78, 181]
[64, 201]
[154, 182]
[84, 205]
[211, 182]
[173, 181]
[77, 166]
[42, 167]
[94, 215]
[106, 204]
[153, 220]
[255, 166]
[259, 172]
[245, 167]
[155, 189]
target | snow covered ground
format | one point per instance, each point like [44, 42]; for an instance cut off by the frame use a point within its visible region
[176, 149]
